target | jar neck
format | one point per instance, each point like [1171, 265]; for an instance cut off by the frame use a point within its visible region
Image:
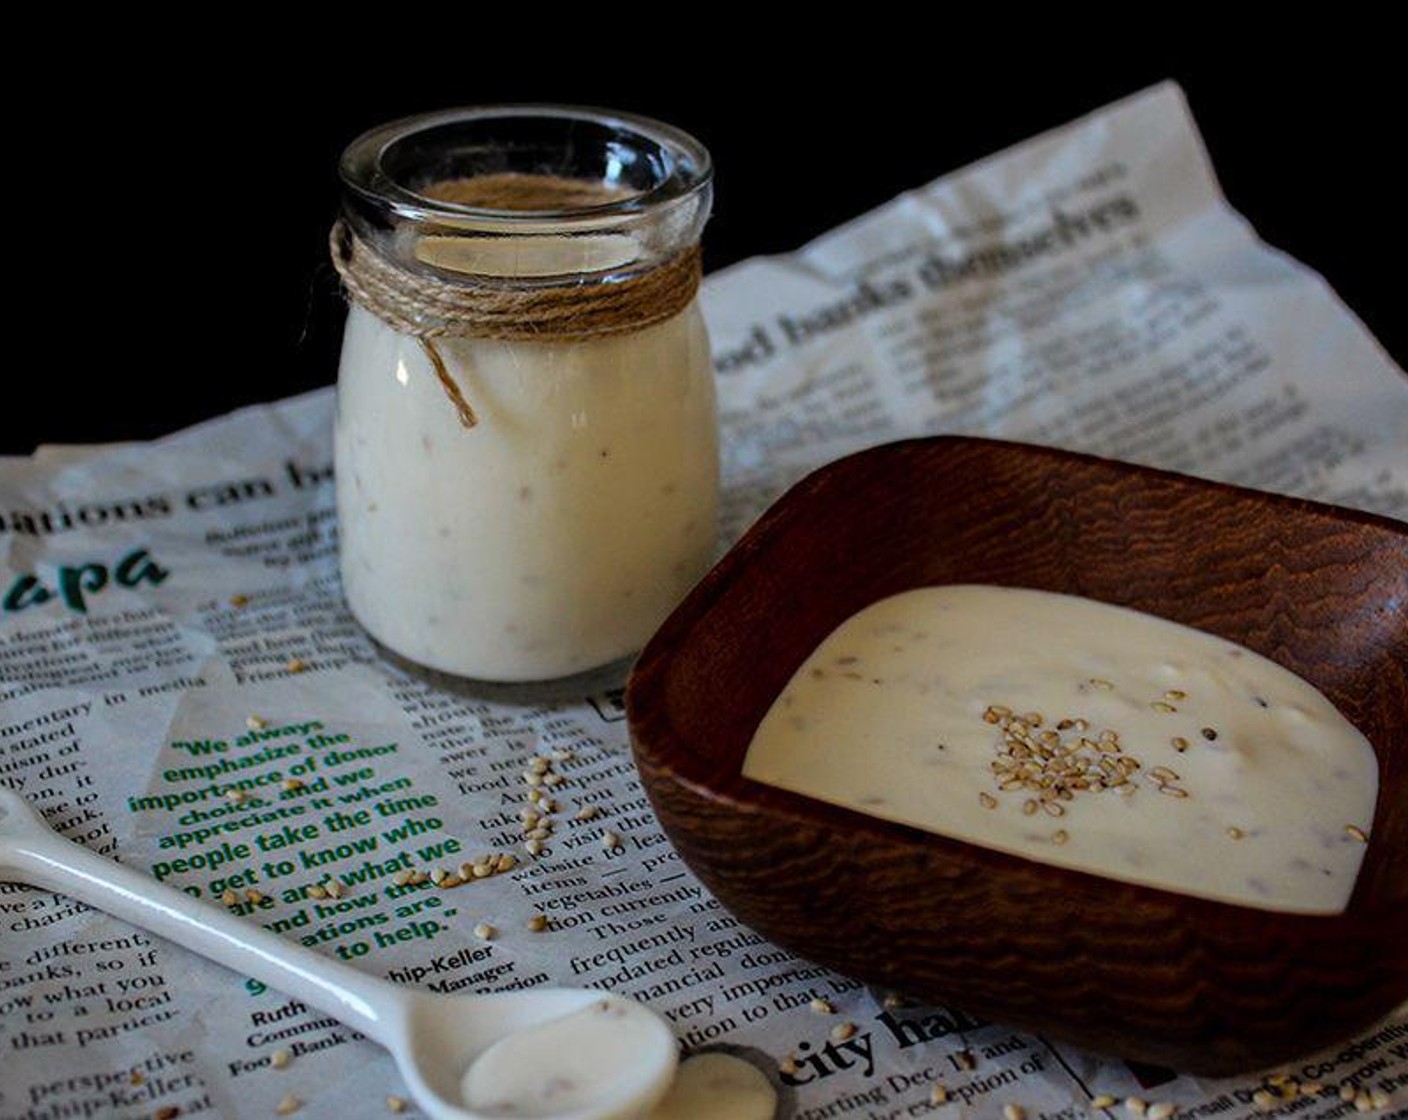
[507, 306]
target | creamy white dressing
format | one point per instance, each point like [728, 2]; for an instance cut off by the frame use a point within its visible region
[717, 1086]
[604, 1056]
[1154, 753]
[555, 534]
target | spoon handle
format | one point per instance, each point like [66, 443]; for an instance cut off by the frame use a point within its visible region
[31, 852]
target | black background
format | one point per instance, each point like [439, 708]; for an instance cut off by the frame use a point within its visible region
[168, 204]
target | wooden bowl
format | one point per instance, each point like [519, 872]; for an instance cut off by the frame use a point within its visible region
[1143, 974]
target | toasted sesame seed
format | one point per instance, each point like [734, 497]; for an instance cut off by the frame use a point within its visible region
[938, 1093]
[255, 723]
[505, 862]
[239, 600]
[564, 755]
[587, 812]
[296, 665]
[533, 847]
[1234, 833]
[1096, 682]
[1054, 809]
[1014, 1112]
[1173, 791]
[485, 932]
[1136, 1105]
[1209, 733]
[288, 1106]
[1363, 1102]
[553, 779]
[538, 922]
[1356, 833]
[532, 778]
[539, 833]
[1163, 706]
[1060, 836]
[1312, 1088]
[236, 796]
[396, 1104]
[1264, 1100]
[842, 1031]
[439, 875]
[401, 878]
[822, 1006]
[610, 840]
[535, 796]
[539, 765]
[280, 1059]
[1104, 1100]
[1347, 1092]
[230, 898]
[1030, 806]
[1379, 1099]
[315, 891]
[966, 1060]
[291, 784]
[1163, 772]
[253, 896]
[166, 1112]
[1161, 1111]
[1180, 744]
[788, 1065]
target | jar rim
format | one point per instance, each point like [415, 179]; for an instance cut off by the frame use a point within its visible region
[685, 171]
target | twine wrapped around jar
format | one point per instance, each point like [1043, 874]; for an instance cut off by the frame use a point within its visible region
[550, 309]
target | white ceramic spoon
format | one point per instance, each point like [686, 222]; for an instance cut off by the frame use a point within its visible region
[565, 1053]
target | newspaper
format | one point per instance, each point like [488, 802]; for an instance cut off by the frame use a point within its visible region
[173, 628]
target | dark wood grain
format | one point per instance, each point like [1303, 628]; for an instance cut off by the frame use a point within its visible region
[1204, 987]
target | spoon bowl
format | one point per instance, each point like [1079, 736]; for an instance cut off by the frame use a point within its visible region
[549, 1052]
[559, 1053]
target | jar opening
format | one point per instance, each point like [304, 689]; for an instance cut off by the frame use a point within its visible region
[507, 164]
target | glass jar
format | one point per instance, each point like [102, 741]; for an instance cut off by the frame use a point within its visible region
[526, 437]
